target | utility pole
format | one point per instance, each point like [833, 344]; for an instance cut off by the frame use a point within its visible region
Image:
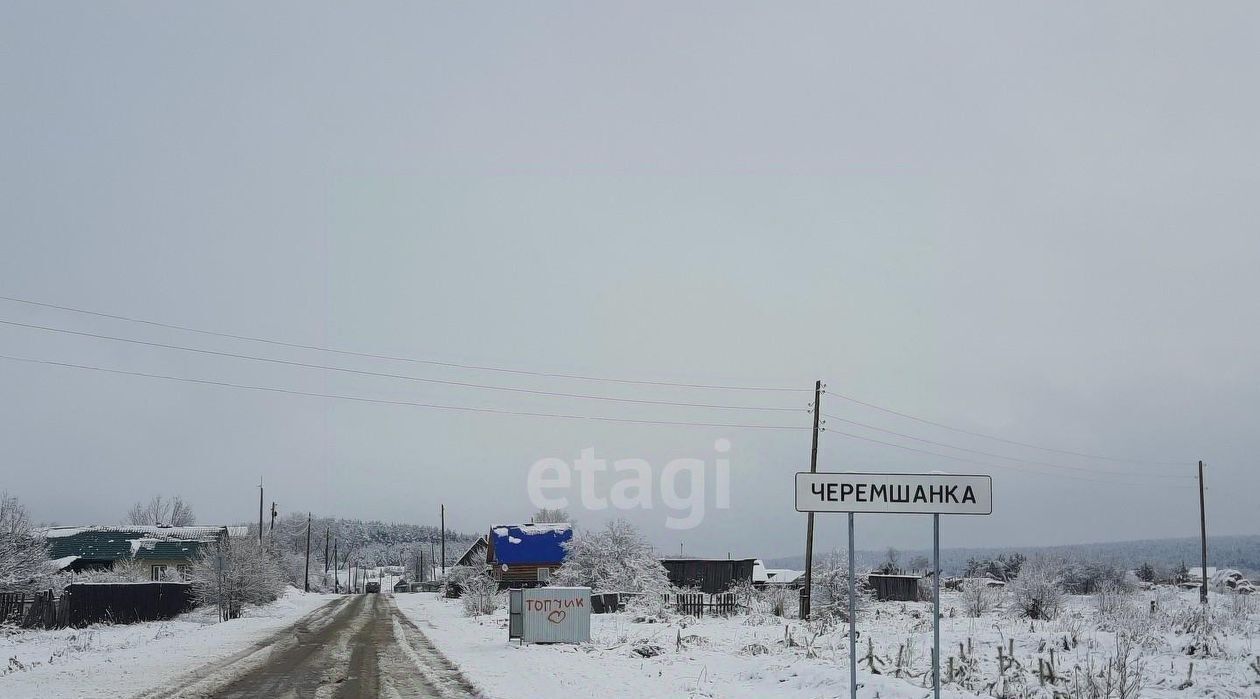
[809, 522]
[444, 541]
[420, 566]
[1203, 582]
[327, 534]
[307, 584]
[260, 506]
[336, 569]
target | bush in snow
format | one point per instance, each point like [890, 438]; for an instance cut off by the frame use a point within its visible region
[1112, 598]
[23, 551]
[480, 595]
[457, 577]
[236, 572]
[614, 559]
[978, 598]
[829, 592]
[1081, 576]
[1038, 591]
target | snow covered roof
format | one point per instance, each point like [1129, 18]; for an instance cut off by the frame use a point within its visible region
[529, 543]
[193, 532]
[101, 543]
[64, 562]
[1196, 572]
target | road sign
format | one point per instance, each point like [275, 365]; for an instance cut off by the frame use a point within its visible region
[933, 494]
[904, 493]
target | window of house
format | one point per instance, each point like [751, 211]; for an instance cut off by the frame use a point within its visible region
[159, 572]
[185, 571]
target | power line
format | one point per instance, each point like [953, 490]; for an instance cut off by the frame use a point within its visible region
[413, 360]
[1003, 456]
[988, 465]
[382, 401]
[407, 377]
[995, 438]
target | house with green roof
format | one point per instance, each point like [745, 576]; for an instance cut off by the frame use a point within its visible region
[167, 553]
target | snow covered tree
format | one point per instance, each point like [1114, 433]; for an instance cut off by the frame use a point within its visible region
[234, 573]
[1038, 591]
[1146, 573]
[614, 559]
[829, 593]
[480, 595]
[546, 516]
[23, 551]
[161, 511]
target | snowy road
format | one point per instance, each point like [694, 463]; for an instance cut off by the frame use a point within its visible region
[359, 646]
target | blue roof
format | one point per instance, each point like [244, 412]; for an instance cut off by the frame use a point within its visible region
[529, 543]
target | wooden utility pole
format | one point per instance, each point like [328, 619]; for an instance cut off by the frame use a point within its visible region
[1203, 576]
[807, 602]
[327, 534]
[444, 541]
[307, 584]
[260, 508]
[336, 569]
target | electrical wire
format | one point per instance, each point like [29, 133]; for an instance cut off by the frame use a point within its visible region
[413, 360]
[1008, 458]
[383, 401]
[407, 377]
[1005, 466]
[995, 438]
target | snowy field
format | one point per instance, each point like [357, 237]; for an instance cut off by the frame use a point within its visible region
[117, 661]
[759, 656]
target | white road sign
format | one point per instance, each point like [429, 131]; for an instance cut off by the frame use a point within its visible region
[907, 493]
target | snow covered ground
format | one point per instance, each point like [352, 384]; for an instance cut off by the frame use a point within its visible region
[117, 661]
[761, 656]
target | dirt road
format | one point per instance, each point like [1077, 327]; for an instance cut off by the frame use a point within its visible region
[358, 646]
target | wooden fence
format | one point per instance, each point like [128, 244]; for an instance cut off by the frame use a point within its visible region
[82, 604]
[698, 604]
[29, 610]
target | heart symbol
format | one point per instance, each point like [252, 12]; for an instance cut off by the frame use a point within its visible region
[557, 616]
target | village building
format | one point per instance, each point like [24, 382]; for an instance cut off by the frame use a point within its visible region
[167, 553]
[525, 555]
[709, 575]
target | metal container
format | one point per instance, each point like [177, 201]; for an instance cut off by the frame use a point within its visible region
[555, 614]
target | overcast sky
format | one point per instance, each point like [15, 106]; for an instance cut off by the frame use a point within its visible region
[1036, 222]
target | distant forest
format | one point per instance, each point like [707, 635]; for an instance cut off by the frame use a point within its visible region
[1240, 552]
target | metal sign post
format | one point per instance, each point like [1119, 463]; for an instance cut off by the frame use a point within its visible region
[892, 493]
[852, 616]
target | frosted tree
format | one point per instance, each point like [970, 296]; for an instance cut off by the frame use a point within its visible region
[546, 516]
[1038, 591]
[234, 573]
[173, 512]
[829, 592]
[614, 559]
[23, 551]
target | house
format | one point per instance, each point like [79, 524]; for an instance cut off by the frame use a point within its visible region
[166, 552]
[525, 555]
[776, 577]
[895, 588]
[1194, 577]
[476, 554]
[710, 575]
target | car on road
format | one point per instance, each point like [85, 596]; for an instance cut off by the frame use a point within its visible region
[373, 586]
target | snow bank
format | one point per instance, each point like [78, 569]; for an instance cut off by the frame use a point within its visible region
[111, 661]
